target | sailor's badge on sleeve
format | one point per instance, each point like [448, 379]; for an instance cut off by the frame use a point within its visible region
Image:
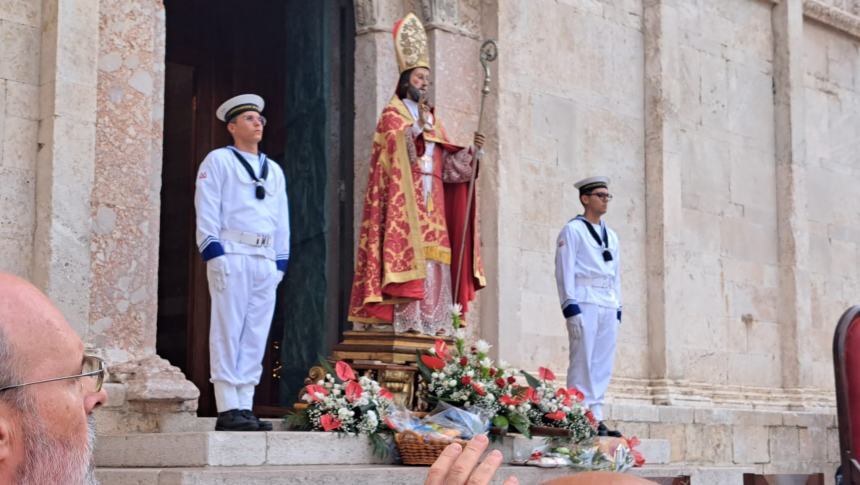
[202, 176]
[560, 242]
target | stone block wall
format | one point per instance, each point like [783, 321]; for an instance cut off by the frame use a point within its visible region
[20, 36]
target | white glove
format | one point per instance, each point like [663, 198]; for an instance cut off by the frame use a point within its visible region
[217, 271]
[574, 324]
[280, 276]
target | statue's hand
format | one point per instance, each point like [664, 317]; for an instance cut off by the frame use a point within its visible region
[479, 140]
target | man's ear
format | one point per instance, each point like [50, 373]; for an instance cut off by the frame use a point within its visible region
[7, 417]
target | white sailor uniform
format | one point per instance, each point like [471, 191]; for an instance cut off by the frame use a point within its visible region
[589, 290]
[245, 241]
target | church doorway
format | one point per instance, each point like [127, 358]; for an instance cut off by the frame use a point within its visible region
[298, 55]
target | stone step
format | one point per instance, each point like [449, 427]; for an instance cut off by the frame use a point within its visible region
[220, 448]
[376, 474]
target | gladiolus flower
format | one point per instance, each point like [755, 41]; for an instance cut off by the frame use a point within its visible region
[313, 390]
[466, 380]
[441, 349]
[344, 371]
[545, 374]
[353, 391]
[556, 416]
[434, 363]
[501, 382]
[329, 422]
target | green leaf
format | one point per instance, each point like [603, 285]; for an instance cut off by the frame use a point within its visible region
[500, 422]
[325, 364]
[520, 423]
[380, 445]
[532, 380]
[425, 371]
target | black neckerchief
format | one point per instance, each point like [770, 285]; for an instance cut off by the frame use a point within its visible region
[259, 191]
[607, 256]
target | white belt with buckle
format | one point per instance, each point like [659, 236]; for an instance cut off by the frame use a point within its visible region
[249, 238]
[595, 282]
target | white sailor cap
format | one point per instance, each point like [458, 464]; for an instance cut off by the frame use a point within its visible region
[238, 105]
[591, 183]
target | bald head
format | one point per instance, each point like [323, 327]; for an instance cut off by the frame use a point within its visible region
[599, 478]
[33, 327]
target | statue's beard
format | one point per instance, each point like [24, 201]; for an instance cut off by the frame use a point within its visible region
[414, 93]
[50, 460]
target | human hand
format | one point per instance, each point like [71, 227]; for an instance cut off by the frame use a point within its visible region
[574, 324]
[217, 271]
[456, 465]
[479, 140]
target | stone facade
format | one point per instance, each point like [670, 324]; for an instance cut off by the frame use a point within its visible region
[729, 129]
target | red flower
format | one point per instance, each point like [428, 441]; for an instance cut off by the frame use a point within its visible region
[344, 371]
[638, 459]
[479, 389]
[353, 391]
[313, 390]
[388, 422]
[532, 395]
[329, 422]
[556, 416]
[536, 455]
[501, 382]
[464, 361]
[441, 349]
[512, 379]
[492, 371]
[383, 392]
[432, 362]
[545, 374]
[466, 380]
[510, 401]
[576, 393]
[590, 417]
[566, 394]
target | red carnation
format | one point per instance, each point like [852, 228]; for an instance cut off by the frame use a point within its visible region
[501, 382]
[464, 361]
[466, 380]
[556, 416]
[511, 379]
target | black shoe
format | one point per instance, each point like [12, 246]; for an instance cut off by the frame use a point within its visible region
[602, 430]
[234, 420]
[261, 425]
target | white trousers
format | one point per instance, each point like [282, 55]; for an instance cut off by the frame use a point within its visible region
[239, 328]
[593, 354]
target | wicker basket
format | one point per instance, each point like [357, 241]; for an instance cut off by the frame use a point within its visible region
[415, 450]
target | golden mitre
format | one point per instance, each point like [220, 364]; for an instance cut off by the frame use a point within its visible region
[410, 43]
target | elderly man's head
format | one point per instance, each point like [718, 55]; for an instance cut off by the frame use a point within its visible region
[46, 427]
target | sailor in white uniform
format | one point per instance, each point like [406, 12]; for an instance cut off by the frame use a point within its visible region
[589, 290]
[243, 234]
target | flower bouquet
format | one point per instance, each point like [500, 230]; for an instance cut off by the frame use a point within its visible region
[596, 454]
[468, 378]
[344, 403]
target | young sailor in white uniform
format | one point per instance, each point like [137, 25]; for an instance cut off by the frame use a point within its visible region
[589, 290]
[243, 233]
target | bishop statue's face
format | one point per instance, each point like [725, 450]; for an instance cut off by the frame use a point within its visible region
[420, 80]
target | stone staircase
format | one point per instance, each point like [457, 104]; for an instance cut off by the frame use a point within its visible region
[188, 453]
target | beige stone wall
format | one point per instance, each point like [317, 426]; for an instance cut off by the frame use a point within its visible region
[570, 104]
[20, 32]
[832, 90]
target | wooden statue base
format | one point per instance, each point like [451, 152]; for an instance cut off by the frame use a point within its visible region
[383, 347]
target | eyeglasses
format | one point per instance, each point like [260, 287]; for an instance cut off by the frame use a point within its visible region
[603, 196]
[253, 119]
[93, 367]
